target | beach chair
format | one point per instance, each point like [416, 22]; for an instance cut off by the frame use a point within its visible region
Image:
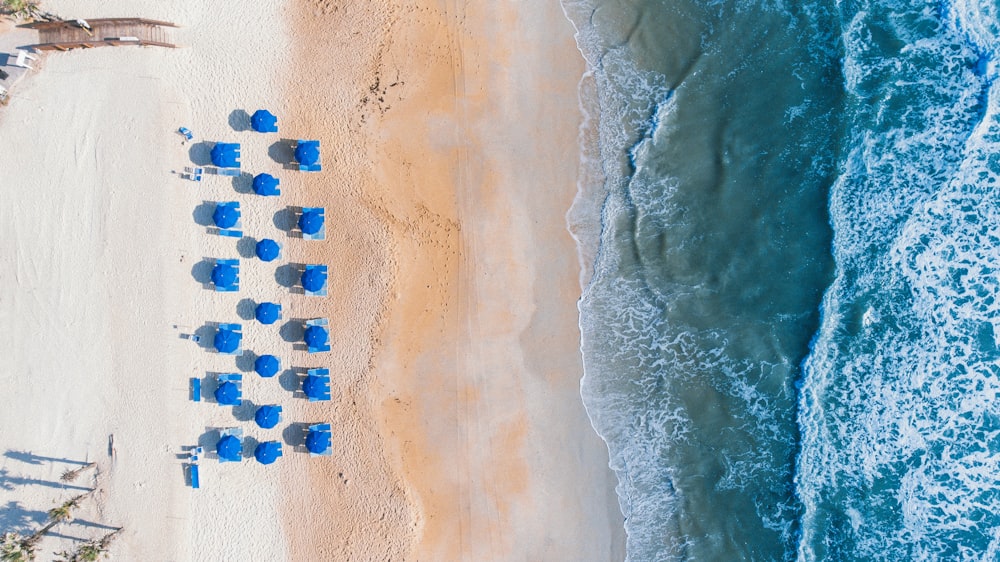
[186, 133]
[236, 285]
[193, 174]
[324, 323]
[235, 231]
[313, 168]
[196, 389]
[236, 432]
[195, 458]
[321, 292]
[320, 428]
[322, 378]
[228, 172]
[235, 378]
[321, 233]
[22, 59]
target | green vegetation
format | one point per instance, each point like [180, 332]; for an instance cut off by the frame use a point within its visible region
[70, 475]
[90, 551]
[23, 10]
[15, 547]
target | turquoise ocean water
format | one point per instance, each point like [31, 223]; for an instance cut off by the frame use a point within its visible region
[790, 332]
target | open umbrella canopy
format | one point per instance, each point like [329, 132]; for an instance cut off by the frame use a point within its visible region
[267, 365]
[228, 394]
[313, 279]
[265, 184]
[310, 222]
[315, 336]
[318, 441]
[263, 121]
[226, 155]
[267, 250]
[229, 448]
[224, 275]
[268, 416]
[307, 152]
[267, 312]
[314, 386]
[226, 215]
[227, 341]
[267, 452]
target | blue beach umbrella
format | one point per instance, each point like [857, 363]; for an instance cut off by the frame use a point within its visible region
[315, 336]
[310, 222]
[313, 386]
[268, 416]
[267, 312]
[267, 365]
[307, 152]
[226, 215]
[224, 275]
[267, 452]
[228, 394]
[318, 441]
[267, 250]
[227, 341]
[226, 155]
[313, 279]
[263, 121]
[229, 448]
[265, 184]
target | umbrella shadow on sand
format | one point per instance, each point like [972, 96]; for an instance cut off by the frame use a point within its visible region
[202, 273]
[295, 435]
[284, 220]
[245, 309]
[246, 247]
[200, 153]
[239, 120]
[283, 151]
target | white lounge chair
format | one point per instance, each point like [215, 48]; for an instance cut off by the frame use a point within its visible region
[22, 59]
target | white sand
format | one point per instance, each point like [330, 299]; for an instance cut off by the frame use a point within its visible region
[98, 273]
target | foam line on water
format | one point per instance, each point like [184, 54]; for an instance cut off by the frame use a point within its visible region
[901, 441]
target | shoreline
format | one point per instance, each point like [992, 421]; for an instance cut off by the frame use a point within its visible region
[481, 373]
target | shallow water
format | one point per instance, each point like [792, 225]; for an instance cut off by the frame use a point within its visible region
[789, 329]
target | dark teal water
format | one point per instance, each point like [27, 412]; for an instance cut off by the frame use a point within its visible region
[789, 335]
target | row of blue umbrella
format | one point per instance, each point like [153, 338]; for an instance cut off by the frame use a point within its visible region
[226, 215]
[230, 448]
[306, 152]
[226, 155]
[228, 341]
[310, 222]
[225, 275]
